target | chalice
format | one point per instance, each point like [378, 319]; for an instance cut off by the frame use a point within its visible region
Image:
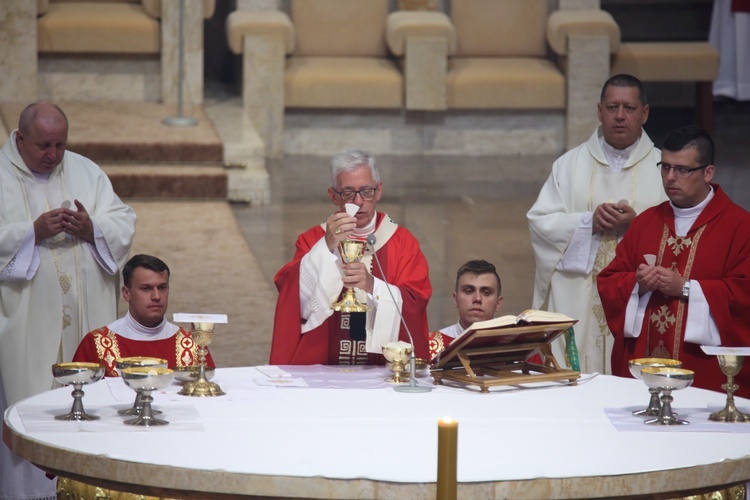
[636, 365]
[351, 251]
[666, 379]
[145, 379]
[730, 365]
[77, 374]
[203, 334]
[397, 353]
[133, 361]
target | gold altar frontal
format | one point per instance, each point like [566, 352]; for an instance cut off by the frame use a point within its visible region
[500, 356]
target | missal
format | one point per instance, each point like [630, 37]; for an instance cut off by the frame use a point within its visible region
[505, 351]
[532, 326]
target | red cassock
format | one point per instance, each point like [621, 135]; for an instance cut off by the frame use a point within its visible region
[404, 266]
[716, 253]
[105, 346]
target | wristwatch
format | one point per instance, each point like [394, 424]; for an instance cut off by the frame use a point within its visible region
[686, 289]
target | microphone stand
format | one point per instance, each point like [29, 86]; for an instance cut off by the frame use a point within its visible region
[412, 387]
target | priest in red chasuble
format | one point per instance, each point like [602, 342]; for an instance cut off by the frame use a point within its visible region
[306, 329]
[144, 330]
[681, 275]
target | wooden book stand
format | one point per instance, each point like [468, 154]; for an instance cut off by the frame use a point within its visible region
[500, 356]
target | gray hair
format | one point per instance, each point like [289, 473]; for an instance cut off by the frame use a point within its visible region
[350, 159]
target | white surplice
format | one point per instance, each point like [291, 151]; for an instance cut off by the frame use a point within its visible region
[53, 293]
[568, 257]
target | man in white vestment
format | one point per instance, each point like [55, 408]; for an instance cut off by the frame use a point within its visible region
[64, 235]
[478, 296]
[730, 34]
[592, 194]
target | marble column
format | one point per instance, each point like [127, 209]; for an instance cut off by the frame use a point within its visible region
[18, 51]
[588, 69]
[192, 89]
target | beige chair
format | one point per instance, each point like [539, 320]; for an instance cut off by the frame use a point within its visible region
[501, 56]
[119, 49]
[323, 54]
[696, 62]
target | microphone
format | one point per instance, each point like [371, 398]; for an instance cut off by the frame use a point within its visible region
[412, 387]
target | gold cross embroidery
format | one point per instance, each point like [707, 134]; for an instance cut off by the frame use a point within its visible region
[678, 244]
[662, 319]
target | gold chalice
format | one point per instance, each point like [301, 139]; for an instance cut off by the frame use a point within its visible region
[351, 251]
[77, 374]
[203, 334]
[666, 380]
[397, 353]
[133, 361]
[145, 379]
[730, 365]
[636, 365]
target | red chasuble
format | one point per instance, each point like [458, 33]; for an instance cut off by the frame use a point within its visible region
[404, 266]
[105, 346]
[716, 253]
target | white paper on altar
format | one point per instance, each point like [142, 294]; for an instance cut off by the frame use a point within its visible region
[280, 382]
[624, 420]
[718, 350]
[199, 318]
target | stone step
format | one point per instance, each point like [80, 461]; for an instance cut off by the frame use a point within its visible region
[172, 181]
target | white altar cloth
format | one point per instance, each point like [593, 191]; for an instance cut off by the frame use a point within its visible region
[380, 434]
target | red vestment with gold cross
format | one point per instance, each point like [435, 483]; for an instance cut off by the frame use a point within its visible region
[716, 253]
[105, 346]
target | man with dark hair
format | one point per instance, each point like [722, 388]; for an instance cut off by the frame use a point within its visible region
[681, 276]
[306, 330]
[478, 296]
[144, 330]
[584, 208]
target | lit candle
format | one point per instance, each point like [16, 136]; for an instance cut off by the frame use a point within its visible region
[447, 459]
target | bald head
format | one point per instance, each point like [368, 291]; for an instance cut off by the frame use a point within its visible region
[42, 136]
[41, 112]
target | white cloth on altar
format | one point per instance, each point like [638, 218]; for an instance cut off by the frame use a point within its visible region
[580, 180]
[730, 34]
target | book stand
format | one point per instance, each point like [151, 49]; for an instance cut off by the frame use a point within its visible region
[500, 356]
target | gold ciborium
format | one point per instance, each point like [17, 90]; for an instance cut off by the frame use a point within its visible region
[636, 365]
[133, 361]
[730, 365]
[203, 334]
[397, 353]
[666, 380]
[77, 374]
[145, 379]
[351, 251]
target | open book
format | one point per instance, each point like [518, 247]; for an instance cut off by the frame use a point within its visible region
[527, 317]
[511, 337]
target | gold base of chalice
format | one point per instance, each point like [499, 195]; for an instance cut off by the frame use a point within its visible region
[203, 334]
[145, 379]
[131, 362]
[77, 374]
[666, 380]
[636, 365]
[730, 366]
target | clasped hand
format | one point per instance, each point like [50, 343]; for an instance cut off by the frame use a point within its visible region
[657, 278]
[614, 217]
[64, 220]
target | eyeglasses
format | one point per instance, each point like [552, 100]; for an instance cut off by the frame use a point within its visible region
[678, 169]
[349, 195]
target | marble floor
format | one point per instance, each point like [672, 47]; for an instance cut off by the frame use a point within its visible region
[462, 208]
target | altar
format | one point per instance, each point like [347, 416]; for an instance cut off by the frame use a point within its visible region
[343, 432]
